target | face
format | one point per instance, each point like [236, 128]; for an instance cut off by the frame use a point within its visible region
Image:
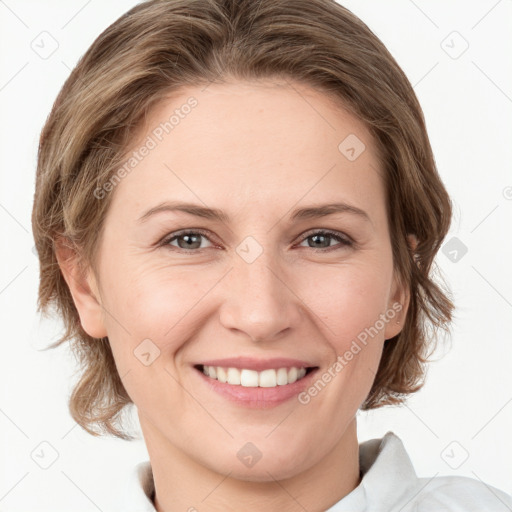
[263, 286]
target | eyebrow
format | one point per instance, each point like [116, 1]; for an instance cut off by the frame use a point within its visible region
[310, 212]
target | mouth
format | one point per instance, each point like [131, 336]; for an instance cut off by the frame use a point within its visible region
[255, 384]
[249, 378]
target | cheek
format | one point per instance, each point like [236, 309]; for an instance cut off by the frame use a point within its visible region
[155, 302]
[152, 316]
[349, 302]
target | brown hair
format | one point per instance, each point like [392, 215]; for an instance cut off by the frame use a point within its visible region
[162, 45]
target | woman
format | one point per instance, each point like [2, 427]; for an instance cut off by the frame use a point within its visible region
[236, 213]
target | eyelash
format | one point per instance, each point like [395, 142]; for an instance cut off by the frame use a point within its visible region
[343, 239]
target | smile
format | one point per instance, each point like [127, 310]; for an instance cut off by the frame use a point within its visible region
[244, 377]
[254, 382]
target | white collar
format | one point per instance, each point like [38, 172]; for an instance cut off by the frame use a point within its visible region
[387, 471]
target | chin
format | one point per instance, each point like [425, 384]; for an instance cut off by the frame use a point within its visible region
[273, 464]
[263, 472]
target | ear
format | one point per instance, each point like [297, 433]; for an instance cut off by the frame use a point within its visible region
[399, 301]
[83, 288]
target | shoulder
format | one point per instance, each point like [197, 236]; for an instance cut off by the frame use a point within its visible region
[460, 494]
[429, 494]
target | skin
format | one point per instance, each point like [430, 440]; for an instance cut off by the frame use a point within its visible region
[256, 151]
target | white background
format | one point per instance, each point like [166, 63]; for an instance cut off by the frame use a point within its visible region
[467, 401]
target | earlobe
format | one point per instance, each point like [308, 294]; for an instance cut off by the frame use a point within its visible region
[82, 286]
[399, 304]
[396, 314]
[412, 241]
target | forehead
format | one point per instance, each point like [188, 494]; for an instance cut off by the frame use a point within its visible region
[253, 143]
[286, 115]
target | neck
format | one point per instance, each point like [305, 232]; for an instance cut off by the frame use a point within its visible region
[182, 483]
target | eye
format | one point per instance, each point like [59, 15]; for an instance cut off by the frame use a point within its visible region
[191, 240]
[322, 238]
[187, 240]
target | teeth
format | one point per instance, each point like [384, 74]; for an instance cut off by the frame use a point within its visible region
[249, 378]
[282, 376]
[233, 376]
[252, 379]
[221, 374]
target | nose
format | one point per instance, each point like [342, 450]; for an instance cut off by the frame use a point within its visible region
[259, 301]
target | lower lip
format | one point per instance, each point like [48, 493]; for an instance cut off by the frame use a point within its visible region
[257, 397]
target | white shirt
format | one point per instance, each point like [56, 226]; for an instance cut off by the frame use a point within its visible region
[389, 484]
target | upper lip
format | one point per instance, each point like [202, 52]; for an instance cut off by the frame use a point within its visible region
[251, 363]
